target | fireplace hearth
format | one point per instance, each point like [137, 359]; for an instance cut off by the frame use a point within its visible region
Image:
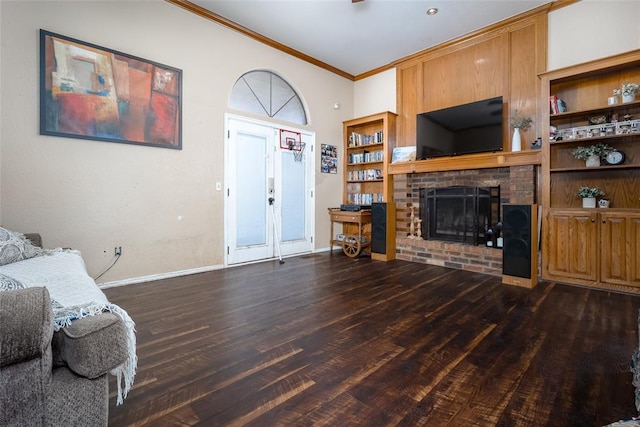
[459, 214]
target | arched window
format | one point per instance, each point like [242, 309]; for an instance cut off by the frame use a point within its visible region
[267, 94]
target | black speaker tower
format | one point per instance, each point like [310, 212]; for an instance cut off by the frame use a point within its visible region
[383, 231]
[520, 250]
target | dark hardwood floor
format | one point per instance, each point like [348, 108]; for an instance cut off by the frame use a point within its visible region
[328, 340]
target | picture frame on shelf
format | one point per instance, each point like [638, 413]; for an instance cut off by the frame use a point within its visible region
[403, 154]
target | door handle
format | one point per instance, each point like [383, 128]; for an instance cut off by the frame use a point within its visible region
[270, 184]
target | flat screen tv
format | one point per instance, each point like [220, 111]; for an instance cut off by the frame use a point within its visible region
[462, 129]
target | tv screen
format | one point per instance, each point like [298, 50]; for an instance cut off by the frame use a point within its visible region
[463, 129]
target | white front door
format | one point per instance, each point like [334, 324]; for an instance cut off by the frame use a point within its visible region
[269, 194]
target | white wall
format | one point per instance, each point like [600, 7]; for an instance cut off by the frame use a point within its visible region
[592, 29]
[375, 94]
[94, 196]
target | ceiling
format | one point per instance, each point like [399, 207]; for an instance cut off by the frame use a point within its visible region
[356, 38]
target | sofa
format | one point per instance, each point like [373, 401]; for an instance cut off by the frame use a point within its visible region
[55, 357]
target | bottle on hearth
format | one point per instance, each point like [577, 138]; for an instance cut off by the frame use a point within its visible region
[489, 237]
[498, 235]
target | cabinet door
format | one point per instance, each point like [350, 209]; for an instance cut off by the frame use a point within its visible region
[572, 244]
[619, 242]
[634, 250]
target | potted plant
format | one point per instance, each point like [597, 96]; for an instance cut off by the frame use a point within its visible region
[628, 91]
[592, 154]
[589, 195]
[518, 122]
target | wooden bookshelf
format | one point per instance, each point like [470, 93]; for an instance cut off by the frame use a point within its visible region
[368, 146]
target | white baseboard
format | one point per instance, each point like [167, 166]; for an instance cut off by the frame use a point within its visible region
[172, 274]
[160, 276]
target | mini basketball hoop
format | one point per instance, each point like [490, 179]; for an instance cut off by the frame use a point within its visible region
[292, 141]
[298, 154]
[294, 145]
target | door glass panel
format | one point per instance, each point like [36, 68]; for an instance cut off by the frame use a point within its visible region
[251, 176]
[293, 197]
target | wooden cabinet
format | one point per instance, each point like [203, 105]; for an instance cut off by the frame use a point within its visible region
[369, 143]
[590, 246]
[572, 242]
[620, 248]
[593, 247]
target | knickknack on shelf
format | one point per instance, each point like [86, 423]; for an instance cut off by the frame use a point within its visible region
[519, 122]
[593, 154]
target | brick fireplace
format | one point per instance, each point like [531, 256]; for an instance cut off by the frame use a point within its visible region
[518, 184]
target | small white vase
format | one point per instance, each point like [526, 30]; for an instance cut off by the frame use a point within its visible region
[588, 202]
[593, 161]
[516, 143]
[629, 98]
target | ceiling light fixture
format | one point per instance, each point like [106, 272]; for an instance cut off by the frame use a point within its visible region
[432, 11]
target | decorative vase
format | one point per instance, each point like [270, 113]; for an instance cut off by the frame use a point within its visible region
[588, 202]
[603, 203]
[516, 143]
[629, 98]
[593, 161]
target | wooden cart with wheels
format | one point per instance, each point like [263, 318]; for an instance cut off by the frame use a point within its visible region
[356, 231]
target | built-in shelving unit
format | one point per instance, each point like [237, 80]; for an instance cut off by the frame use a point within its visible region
[369, 143]
[592, 246]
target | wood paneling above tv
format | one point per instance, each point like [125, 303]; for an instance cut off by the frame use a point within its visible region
[502, 62]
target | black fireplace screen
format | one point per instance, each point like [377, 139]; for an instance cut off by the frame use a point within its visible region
[459, 214]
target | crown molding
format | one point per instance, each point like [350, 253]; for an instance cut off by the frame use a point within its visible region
[204, 13]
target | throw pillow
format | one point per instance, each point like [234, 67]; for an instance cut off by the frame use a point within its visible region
[16, 247]
[9, 283]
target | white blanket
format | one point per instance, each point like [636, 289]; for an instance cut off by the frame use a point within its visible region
[74, 295]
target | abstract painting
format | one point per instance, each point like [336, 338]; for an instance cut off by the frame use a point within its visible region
[90, 92]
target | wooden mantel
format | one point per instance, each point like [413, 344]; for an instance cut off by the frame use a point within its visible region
[469, 161]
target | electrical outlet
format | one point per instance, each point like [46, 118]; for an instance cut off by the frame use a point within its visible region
[118, 250]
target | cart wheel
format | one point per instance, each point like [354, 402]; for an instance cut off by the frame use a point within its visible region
[351, 246]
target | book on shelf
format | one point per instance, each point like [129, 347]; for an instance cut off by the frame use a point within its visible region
[364, 198]
[366, 157]
[357, 139]
[553, 104]
[562, 107]
[557, 105]
[364, 175]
